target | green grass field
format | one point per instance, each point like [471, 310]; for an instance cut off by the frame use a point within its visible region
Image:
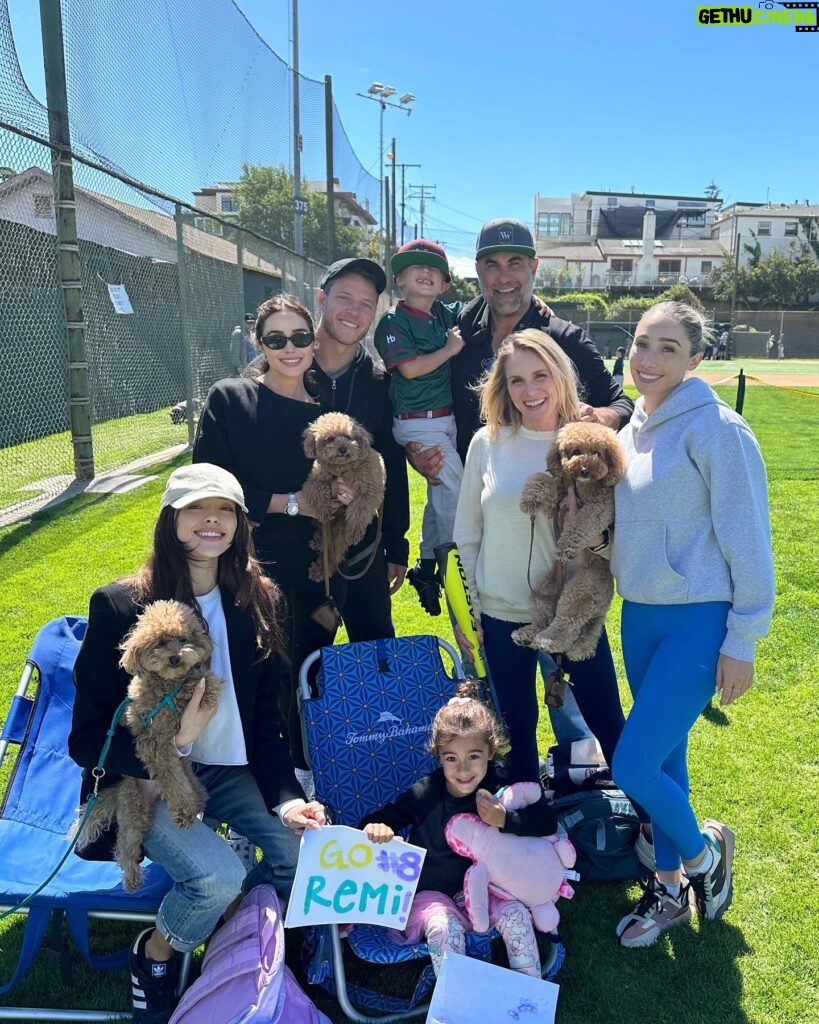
[755, 765]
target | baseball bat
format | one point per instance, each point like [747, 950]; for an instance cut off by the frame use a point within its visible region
[460, 604]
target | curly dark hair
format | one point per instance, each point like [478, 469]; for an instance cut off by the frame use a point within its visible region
[466, 715]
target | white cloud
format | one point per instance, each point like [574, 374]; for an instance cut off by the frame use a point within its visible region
[463, 266]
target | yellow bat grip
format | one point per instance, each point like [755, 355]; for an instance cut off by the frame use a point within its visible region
[457, 595]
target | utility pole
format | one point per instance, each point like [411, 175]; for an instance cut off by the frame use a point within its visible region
[403, 204]
[68, 249]
[394, 235]
[299, 204]
[331, 181]
[423, 191]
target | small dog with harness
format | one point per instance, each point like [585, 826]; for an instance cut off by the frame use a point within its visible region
[166, 653]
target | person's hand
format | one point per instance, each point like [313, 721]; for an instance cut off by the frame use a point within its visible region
[466, 646]
[378, 833]
[734, 677]
[395, 576]
[194, 718]
[454, 342]
[490, 809]
[342, 492]
[542, 308]
[428, 462]
[305, 815]
[603, 414]
[305, 508]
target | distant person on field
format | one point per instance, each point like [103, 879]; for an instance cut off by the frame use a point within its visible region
[617, 373]
[242, 349]
[417, 339]
[780, 348]
[769, 346]
[722, 346]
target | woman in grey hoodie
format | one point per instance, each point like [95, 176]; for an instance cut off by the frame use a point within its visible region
[692, 559]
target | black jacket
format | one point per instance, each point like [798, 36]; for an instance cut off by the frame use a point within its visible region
[101, 685]
[362, 391]
[597, 386]
[425, 810]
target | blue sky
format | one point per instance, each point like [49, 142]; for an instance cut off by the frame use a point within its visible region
[530, 96]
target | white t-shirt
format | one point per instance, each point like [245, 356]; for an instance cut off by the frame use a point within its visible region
[492, 534]
[222, 741]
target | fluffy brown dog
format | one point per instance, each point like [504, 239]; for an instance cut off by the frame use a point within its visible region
[340, 446]
[571, 601]
[166, 653]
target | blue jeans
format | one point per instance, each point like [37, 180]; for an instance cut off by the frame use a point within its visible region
[670, 653]
[514, 673]
[206, 872]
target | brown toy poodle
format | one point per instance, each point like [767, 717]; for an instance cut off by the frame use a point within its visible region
[341, 447]
[166, 653]
[571, 601]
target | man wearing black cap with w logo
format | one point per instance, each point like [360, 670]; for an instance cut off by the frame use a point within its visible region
[506, 263]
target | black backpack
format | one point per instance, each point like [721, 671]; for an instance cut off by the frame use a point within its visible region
[603, 827]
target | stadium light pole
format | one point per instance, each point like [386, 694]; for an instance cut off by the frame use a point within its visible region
[380, 94]
[299, 203]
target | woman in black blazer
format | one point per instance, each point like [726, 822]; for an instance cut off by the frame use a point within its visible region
[203, 556]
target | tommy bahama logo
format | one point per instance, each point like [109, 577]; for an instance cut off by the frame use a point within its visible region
[803, 16]
[393, 726]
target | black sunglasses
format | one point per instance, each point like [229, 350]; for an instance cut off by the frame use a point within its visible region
[276, 340]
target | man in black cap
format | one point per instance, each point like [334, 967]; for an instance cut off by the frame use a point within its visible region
[348, 381]
[506, 264]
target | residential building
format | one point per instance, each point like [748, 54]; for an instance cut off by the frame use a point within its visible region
[346, 205]
[626, 240]
[774, 226]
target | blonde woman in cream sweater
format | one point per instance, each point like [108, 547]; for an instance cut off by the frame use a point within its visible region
[529, 392]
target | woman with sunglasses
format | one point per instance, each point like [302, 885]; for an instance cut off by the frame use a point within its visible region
[253, 426]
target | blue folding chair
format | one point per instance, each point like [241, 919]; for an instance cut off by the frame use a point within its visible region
[366, 720]
[39, 807]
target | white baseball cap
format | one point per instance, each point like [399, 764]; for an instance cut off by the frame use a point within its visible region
[202, 480]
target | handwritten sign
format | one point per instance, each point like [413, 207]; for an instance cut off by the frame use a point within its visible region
[342, 877]
[467, 990]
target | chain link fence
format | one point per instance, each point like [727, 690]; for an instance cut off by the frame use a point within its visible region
[161, 298]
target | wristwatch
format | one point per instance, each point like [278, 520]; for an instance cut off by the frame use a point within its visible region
[602, 547]
[292, 506]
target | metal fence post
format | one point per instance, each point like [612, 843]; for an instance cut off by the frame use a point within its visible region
[184, 319]
[68, 249]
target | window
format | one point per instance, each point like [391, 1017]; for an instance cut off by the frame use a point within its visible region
[685, 205]
[706, 266]
[791, 228]
[622, 266]
[651, 203]
[42, 206]
[763, 229]
[669, 266]
[227, 204]
[554, 224]
[611, 201]
[693, 219]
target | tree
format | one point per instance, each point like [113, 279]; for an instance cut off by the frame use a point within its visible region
[461, 289]
[713, 190]
[779, 281]
[265, 200]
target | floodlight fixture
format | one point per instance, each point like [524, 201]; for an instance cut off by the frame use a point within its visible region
[408, 97]
[375, 89]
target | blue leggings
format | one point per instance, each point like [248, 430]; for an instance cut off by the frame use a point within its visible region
[670, 653]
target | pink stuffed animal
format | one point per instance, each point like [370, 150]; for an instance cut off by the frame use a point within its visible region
[526, 868]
